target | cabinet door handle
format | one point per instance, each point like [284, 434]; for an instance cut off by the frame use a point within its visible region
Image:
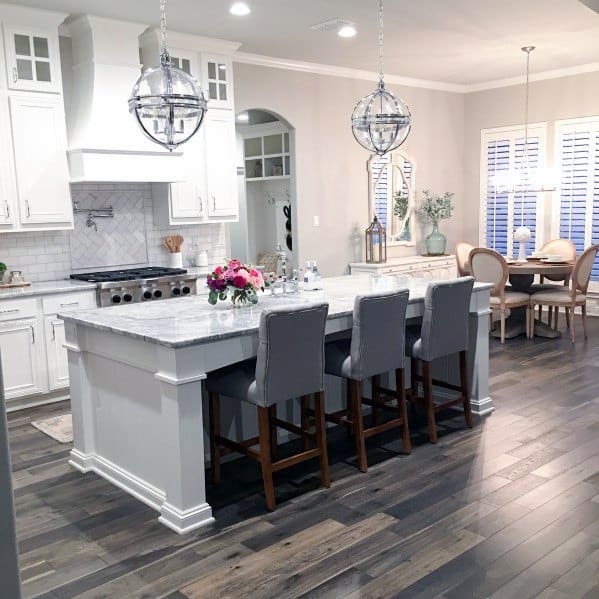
[28, 208]
[13, 311]
[15, 74]
[7, 210]
[53, 332]
[213, 203]
[69, 304]
[32, 333]
[201, 210]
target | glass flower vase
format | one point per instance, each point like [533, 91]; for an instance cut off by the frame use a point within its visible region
[436, 241]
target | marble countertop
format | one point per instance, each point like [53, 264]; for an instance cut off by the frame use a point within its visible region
[189, 321]
[45, 288]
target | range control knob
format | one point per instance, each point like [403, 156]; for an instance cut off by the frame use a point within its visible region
[127, 297]
[176, 291]
[157, 293]
[186, 290]
[116, 299]
[147, 295]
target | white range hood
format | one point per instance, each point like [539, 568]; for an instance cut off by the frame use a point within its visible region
[105, 142]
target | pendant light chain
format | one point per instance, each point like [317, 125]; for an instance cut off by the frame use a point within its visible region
[525, 158]
[381, 45]
[165, 59]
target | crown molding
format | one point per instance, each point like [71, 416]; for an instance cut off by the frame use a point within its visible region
[336, 71]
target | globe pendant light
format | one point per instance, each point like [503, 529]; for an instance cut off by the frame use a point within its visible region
[380, 121]
[167, 103]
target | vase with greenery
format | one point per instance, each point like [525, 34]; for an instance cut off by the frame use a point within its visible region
[401, 204]
[434, 208]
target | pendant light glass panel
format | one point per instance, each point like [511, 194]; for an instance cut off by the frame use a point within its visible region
[168, 104]
[381, 122]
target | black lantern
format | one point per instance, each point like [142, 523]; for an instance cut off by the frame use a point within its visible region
[376, 242]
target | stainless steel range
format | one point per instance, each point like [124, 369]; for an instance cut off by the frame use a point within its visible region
[140, 284]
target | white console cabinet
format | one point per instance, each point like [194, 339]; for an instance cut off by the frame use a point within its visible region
[427, 267]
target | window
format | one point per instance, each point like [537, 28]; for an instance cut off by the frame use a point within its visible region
[385, 181]
[576, 205]
[507, 200]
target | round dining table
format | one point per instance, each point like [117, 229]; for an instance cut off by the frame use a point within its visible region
[522, 275]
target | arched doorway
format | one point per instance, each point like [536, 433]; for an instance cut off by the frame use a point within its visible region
[267, 191]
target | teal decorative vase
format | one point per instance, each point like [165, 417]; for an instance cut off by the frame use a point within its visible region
[436, 241]
[406, 235]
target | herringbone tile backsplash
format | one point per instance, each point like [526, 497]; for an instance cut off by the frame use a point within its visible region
[129, 239]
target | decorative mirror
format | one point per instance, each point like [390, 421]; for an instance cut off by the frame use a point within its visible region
[392, 194]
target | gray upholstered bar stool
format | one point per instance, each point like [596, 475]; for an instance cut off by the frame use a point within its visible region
[377, 346]
[289, 364]
[444, 332]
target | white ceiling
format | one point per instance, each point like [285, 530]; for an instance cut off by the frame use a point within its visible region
[455, 41]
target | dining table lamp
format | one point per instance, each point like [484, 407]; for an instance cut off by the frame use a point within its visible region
[376, 242]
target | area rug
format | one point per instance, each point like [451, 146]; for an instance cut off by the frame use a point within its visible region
[59, 428]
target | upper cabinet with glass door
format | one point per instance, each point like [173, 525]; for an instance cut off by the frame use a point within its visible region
[266, 152]
[217, 81]
[32, 60]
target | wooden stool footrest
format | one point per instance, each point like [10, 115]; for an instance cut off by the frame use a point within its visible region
[294, 429]
[381, 428]
[295, 459]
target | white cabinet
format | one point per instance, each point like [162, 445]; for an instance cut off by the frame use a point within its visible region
[217, 81]
[426, 267]
[58, 363]
[266, 152]
[32, 59]
[39, 141]
[221, 170]
[23, 368]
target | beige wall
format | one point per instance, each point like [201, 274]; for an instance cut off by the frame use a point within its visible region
[331, 166]
[550, 100]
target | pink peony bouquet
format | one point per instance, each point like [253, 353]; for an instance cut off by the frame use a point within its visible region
[238, 280]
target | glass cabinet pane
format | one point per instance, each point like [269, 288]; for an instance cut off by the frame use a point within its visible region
[273, 166]
[222, 91]
[253, 168]
[42, 71]
[286, 142]
[273, 144]
[222, 72]
[253, 146]
[212, 91]
[186, 65]
[25, 69]
[211, 70]
[40, 47]
[287, 166]
[22, 45]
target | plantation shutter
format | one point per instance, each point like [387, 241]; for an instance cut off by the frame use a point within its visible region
[579, 184]
[508, 201]
[382, 189]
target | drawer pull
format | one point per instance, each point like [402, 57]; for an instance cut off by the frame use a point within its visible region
[32, 333]
[69, 304]
[13, 311]
[15, 74]
[53, 332]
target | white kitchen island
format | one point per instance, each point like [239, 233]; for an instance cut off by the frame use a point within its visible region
[136, 376]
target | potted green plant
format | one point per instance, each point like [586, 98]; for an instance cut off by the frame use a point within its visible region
[401, 204]
[434, 208]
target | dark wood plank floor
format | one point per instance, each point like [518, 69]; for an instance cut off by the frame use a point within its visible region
[507, 510]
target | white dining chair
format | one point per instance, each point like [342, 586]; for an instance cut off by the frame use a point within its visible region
[574, 295]
[488, 266]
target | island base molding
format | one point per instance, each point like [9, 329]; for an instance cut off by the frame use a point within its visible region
[181, 521]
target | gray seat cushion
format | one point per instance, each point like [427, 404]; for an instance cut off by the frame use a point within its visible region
[237, 380]
[413, 341]
[563, 295]
[511, 297]
[338, 358]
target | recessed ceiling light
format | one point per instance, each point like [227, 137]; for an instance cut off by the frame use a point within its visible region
[240, 9]
[347, 31]
[243, 117]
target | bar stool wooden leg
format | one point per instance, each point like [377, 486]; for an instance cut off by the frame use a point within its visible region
[358, 425]
[272, 418]
[427, 376]
[214, 417]
[305, 406]
[400, 387]
[414, 377]
[465, 390]
[349, 429]
[376, 395]
[265, 459]
[321, 438]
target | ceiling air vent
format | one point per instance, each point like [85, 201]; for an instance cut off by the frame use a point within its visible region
[332, 25]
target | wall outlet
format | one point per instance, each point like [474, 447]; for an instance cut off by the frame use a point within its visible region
[317, 221]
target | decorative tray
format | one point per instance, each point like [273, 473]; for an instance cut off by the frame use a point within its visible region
[13, 285]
